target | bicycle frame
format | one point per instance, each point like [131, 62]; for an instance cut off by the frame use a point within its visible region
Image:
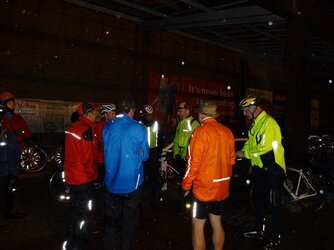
[166, 170]
[301, 178]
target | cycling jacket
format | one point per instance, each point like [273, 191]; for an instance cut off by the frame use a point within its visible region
[80, 163]
[182, 135]
[9, 153]
[210, 158]
[264, 136]
[16, 124]
[125, 150]
[152, 128]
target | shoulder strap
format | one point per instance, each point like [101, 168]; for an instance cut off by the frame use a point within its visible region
[192, 121]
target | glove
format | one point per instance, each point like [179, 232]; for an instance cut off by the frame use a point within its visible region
[88, 135]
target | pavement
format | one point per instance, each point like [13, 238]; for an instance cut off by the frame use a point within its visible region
[159, 228]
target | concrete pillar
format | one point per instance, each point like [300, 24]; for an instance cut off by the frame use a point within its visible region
[298, 105]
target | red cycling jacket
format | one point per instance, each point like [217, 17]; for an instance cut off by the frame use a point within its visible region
[80, 163]
[99, 127]
[17, 125]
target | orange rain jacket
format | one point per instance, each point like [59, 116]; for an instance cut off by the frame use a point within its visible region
[210, 158]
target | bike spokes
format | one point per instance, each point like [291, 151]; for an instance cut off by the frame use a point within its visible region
[33, 159]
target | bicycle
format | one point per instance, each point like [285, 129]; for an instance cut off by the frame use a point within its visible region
[34, 158]
[307, 188]
[166, 171]
[58, 188]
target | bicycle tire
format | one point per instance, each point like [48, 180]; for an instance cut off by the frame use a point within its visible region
[33, 159]
[252, 202]
[315, 203]
[58, 188]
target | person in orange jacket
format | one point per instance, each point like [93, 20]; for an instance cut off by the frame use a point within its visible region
[12, 121]
[210, 158]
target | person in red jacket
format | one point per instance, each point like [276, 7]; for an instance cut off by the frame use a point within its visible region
[12, 121]
[210, 158]
[81, 171]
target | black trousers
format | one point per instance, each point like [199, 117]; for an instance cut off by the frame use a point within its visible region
[81, 196]
[7, 194]
[268, 191]
[151, 168]
[121, 212]
[181, 166]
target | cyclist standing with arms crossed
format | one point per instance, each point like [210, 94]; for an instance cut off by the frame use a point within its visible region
[12, 121]
[265, 151]
[9, 169]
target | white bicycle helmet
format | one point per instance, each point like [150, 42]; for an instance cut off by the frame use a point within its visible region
[146, 110]
[107, 108]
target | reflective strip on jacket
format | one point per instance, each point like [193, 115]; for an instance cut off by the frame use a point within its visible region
[184, 130]
[125, 150]
[152, 134]
[264, 135]
[80, 162]
[210, 158]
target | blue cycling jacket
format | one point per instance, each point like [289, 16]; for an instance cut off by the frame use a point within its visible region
[125, 150]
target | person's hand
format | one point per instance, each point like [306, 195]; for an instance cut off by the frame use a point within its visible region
[239, 154]
[19, 132]
[184, 193]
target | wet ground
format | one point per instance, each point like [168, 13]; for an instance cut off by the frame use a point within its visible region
[159, 228]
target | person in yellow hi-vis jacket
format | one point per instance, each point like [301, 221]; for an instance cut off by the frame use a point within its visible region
[152, 165]
[265, 151]
[184, 130]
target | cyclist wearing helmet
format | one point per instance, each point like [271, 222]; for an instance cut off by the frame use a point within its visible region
[266, 154]
[108, 112]
[9, 169]
[80, 169]
[11, 121]
[151, 166]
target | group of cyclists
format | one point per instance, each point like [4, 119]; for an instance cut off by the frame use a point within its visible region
[263, 148]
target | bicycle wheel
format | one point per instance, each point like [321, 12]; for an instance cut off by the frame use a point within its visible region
[252, 202]
[314, 203]
[33, 159]
[58, 188]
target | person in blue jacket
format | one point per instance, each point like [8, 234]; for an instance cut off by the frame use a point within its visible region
[125, 150]
[9, 170]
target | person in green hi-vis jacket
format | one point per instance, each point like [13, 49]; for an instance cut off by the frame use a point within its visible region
[265, 151]
[184, 130]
